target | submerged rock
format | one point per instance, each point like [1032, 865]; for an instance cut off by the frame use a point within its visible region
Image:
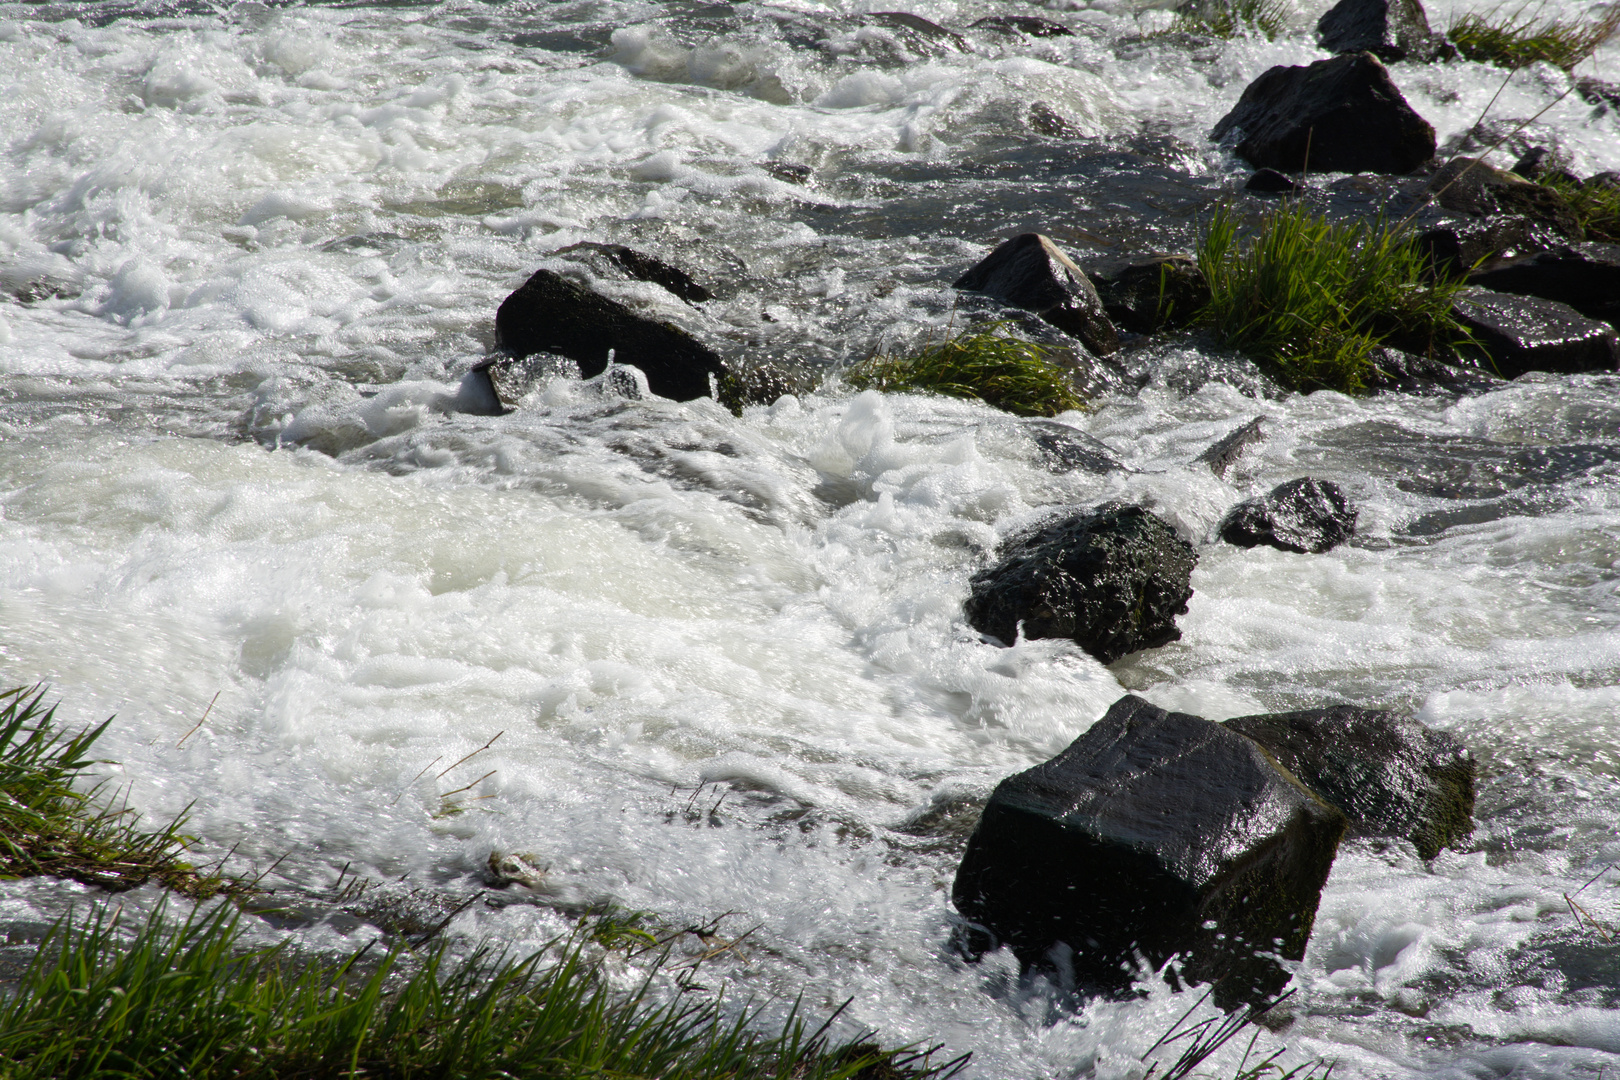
[1155, 834]
[1338, 115]
[1584, 276]
[1389, 29]
[1030, 272]
[1305, 515]
[1391, 776]
[644, 267]
[1526, 333]
[1223, 453]
[1062, 449]
[1151, 293]
[1271, 182]
[1028, 25]
[551, 314]
[1112, 580]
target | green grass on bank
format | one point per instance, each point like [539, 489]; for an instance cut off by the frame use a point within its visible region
[183, 998]
[1514, 39]
[1313, 300]
[1228, 19]
[987, 363]
[49, 827]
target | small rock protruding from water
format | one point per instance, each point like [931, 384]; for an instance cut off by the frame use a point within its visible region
[1539, 164]
[1338, 115]
[1223, 454]
[1112, 580]
[1031, 272]
[1155, 834]
[499, 384]
[1526, 333]
[644, 267]
[1062, 449]
[551, 314]
[1028, 25]
[1389, 29]
[1271, 182]
[1584, 276]
[1390, 775]
[1468, 186]
[921, 28]
[1151, 293]
[1308, 516]
[1409, 373]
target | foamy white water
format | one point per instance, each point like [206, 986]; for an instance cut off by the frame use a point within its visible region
[249, 252]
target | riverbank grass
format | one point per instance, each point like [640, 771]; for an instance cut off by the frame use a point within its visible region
[987, 363]
[1514, 39]
[1597, 207]
[50, 827]
[185, 998]
[1227, 19]
[1312, 301]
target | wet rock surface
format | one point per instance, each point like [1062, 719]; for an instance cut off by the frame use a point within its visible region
[1584, 276]
[1389, 29]
[1409, 373]
[1390, 775]
[1308, 516]
[1156, 833]
[1338, 115]
[1031, 272]
[1061, 448]
[643, 267]
[1224, 453]
[1028, 25]
[1517, 334]
[1270, 182]
[1469, 186]
[1151, 293]
[1112, 580]
[1457, 244]
[551, 314]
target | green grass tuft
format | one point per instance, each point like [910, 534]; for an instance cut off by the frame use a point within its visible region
[987, 363]
[183, 998]
[1228, 19]
[48, 827]
[1313, 300]
[1596, 206]
[1516, 40]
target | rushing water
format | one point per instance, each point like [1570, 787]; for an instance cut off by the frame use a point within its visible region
[249, 251]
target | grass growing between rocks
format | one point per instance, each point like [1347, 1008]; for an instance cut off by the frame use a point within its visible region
[988, 364]
[1227, 19]
[48, 827]
[1514, 40]
[183, 998]
[1313, 301]
[1597, 207]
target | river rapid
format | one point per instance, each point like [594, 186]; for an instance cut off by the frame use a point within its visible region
[248, 253]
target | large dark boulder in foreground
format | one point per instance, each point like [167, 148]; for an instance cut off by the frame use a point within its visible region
[1112, 580]
[1150, 293]
[1030, 272]
[1159, 834]
[1305, 515]
[1584, 276]
[1468, 186]
[1338, 115]
[1526, 333]
[1389, 29]
[551, 314]
[1390, 775]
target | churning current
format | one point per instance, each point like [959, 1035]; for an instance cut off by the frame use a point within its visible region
[248, 252]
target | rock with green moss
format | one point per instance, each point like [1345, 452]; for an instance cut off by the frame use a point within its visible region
[1391, 775]
[1155, 834]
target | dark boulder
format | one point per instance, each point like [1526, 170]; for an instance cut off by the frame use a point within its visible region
[1391, 776]
[1305, 515]
[1456, 245]
[1028, 25]
[1338, 115]
[1526, 333]
[1584, 276]
[643, 267]
[1061, 448]
[1152, 293]
[1223, 454]
[1030, 272]
[1389, 29]
[919, 30]
[551, 314]
[1112, 580]
[1155, 834]
[1271, 182]
[1468, 186]
[1409, 373]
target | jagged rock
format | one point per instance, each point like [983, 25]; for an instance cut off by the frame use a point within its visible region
[1597, 92]
[1338, 115]
[1112, 580]
[1305, 515]
[1584, 276]
[1526, 333]
[1409, 373]
[1223, 454]
[1030, 272]
[1148, 294]
[1159, 834]
[1270, 182]
[1391, 776]
[920, 27]
[1455, 246]
[1028, 25]
[645, 268]
[1468, 186]
[551, 314]
[1539, 165]
[1389, 29]
[1063, 449]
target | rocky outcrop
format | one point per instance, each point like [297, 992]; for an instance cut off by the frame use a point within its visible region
[643, 267]
[1305, 515]
[1389, 29]
[1030, 272]
[1223, 454]
[1389, 775]
[1112, 580]
[1467, 186]
[1526, 333]
[1338, 115]
[551, 314]
[1155, 834]
[1152, 293]
[1584, 276]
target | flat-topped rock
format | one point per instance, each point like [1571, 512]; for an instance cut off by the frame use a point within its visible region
[1526, 333]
